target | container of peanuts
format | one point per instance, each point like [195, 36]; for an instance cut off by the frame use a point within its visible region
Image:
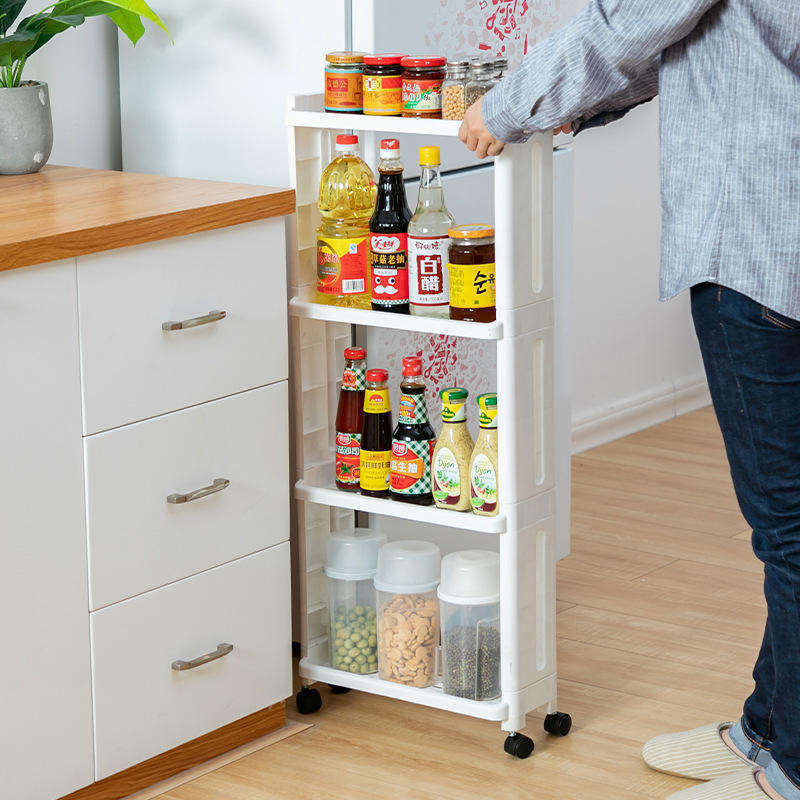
[454, 99]
[408, 612]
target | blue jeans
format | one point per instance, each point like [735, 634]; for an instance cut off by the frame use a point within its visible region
[752, 360]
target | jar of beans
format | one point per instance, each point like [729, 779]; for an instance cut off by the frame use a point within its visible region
[422, 86]
[454, 101]
[479, 80]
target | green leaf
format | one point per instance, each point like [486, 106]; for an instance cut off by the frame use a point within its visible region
[129, 23]
[46, 26]
[92, 8]
[15, 46]
[9, 11]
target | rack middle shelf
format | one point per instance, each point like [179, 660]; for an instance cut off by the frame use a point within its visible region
[299, 307]
[329, 495]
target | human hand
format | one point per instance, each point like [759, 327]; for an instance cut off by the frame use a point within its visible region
[563, 129]
[475, 134]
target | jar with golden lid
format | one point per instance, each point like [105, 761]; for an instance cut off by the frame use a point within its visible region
[471, 270]
[344, 82]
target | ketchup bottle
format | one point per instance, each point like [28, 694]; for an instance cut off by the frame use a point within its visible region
[350, 419]
[388, 240]
[413, 440]
[376, 436]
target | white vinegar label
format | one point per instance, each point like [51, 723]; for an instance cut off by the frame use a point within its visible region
[427, 270]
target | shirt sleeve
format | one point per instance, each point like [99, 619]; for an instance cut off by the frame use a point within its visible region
[605, 59]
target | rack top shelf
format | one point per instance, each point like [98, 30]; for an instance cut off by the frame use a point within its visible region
[306, 111]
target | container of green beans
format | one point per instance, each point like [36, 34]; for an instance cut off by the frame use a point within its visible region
[350, 563]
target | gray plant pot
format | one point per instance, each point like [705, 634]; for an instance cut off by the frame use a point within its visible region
[26, 128]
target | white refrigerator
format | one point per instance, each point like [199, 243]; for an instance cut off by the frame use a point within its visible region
[212, 106]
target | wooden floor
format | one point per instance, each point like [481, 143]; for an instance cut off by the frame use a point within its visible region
[660, 616]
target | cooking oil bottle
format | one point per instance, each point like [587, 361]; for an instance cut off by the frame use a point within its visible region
[346, 202]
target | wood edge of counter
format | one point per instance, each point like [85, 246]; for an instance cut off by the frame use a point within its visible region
[184, 756]
[101, 238]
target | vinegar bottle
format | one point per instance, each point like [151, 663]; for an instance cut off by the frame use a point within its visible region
[389, 234]
[350, 419]
[413, 440]
[376, 436]
[428, 240]
[346, 202]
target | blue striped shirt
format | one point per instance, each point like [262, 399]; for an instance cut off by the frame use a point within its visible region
[728, 76]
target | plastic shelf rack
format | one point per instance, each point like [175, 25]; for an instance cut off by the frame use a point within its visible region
[523, 532]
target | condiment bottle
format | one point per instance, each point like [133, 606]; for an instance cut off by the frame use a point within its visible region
[483, 474]
[428, 241]
[471, 271]
[346, 202]
[422, 86]
[389, 234]
[450, 466]
[413, 440]
[350, 419]
[383, 84]
[376, 436]
[343, 82]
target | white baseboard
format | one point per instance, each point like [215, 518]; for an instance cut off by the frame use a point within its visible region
[641, 411]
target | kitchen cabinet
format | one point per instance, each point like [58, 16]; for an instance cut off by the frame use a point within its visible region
[144, 556]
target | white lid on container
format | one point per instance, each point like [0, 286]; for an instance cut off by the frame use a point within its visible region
[352, 554]
[470, 578]
[408, 567]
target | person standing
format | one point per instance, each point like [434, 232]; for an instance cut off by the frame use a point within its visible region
[728, 76]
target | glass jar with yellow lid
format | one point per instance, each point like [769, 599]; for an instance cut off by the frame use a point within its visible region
[471, 269]
[344, 71]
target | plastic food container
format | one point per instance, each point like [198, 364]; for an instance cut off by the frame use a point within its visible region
[469, 594]
[350, 564]
[408, 612]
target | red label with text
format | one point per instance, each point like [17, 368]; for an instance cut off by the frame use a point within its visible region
[348, 453]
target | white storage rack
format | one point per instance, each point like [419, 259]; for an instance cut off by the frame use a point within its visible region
[523, 334]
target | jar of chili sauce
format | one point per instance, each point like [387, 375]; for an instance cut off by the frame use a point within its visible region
[383, 84]
[471, 270]
[343, 82]
[422, 86]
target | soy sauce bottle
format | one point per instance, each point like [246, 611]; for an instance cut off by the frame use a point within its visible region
[376, 436]
[413, 440]
[388, 241]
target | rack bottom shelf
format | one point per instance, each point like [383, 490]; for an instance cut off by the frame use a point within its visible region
[434, 697]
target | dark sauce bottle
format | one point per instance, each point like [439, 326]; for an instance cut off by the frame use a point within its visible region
[413, 440]
[376, 436]
[388, 229]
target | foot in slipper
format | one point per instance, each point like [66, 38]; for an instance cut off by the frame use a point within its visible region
[745, 784]
[701, 753]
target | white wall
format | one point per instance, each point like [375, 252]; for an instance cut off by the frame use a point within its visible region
[635, 361]
[80, 66]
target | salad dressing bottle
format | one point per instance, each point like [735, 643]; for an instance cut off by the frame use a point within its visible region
[450, 467]
[483, 474]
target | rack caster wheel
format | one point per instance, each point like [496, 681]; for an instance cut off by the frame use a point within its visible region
[308, 700]
[558, 724]
[519, 745]
[338, 689]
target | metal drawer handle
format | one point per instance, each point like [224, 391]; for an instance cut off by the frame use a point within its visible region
[212, 316]
[222, 650]
[217, 485]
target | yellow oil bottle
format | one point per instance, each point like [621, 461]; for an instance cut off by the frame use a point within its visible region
[346, 201]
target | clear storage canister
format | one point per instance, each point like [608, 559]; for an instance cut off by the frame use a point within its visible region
[454, 99]
[408, 612]
[479, 80]
[350, 564]
[469, 594]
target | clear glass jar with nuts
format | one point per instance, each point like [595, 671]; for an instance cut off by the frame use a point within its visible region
[454, 103]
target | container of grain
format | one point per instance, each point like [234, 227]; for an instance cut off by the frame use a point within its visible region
[408, 612]
[469, 595]
[454, 100]
[351, 561]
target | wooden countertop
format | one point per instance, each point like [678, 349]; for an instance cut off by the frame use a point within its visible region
[63, 212]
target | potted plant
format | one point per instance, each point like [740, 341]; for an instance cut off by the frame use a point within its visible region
[26, 127]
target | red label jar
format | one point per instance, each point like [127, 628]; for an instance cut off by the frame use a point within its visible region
[383, 84]
[422, 86]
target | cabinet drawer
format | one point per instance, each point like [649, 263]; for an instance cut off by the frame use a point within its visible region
[142, 706]
[132, 369]
[138, 540]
